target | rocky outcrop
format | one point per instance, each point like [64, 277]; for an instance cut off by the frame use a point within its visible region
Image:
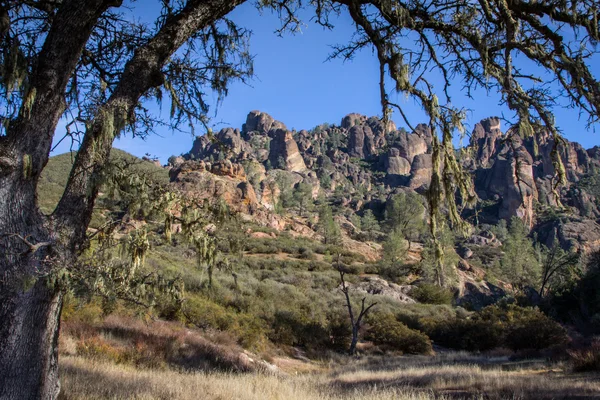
[227, 168]
[378, 287]
[353, 119]
[261, 122]
[410, 145]
[484, 138]
[512, 175]
[284, 152]
[361, 142]
[475, 293]
[424, 132]
[395, 163]
[420, 172]
[197, 180]
[575, 234]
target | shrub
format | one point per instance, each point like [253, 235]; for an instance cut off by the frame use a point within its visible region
[432, 294]
[586, 360]
[305, 253]
[203, 313]
[387, 330]
[511, 326]
[98, 348]
[529, 328]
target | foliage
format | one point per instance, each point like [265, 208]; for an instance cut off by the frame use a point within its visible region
[395, 247]
[440, 271]
[432, 294]
[385, 329]
[560, 269]
[586, 359]
[328, 227]
[405, 213]
[369, 224]
[520, 264]
[508, 326]
[302, 198]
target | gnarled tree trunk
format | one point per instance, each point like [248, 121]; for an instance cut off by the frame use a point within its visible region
[33, 246]
[29, 247]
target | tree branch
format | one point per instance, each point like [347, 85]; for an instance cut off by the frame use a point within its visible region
[142, 72]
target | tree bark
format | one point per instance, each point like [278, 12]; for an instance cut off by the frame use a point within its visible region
[29, 308]
[32, 245]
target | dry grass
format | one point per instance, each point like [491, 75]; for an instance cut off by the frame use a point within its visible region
[456, 376]
[82, 379]
[461, 375]
[156, 345]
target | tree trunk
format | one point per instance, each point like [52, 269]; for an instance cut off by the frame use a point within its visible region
[352, 349]
[32, 245]
[29, 343]
[29, 308]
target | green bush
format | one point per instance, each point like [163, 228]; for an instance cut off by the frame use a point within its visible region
[431, 294]
[385, 329]
[511, 326]
[529, 328]
[204, 313]
[293, 329]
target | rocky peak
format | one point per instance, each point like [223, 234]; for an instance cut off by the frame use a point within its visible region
[361, 142]
[261, 122]
[484, 139]
[353, 119]
[512, 173]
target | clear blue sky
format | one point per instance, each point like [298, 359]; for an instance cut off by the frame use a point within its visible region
[296, 85]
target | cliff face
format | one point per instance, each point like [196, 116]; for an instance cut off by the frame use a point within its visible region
[360, 163]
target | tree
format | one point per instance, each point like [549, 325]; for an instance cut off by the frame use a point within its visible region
[328, 227]
[303, 197]
[560, 269]
[369, 223]
[520, 263]
[355, 321]
[395, 247]
[440, 269]
[81, 58]
[94, 67]
[405, 213]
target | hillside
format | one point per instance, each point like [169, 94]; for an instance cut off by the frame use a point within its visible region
[306, 203]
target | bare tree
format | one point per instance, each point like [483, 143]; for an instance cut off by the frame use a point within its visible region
[355, 321]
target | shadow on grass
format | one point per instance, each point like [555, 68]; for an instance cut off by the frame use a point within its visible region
[463, 376]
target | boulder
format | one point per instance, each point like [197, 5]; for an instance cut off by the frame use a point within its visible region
[361, 142]
[227, 168]
[257, 121]
[379, 287]
[484, 138]
[424, 132]
[396, 164]
[575, 234]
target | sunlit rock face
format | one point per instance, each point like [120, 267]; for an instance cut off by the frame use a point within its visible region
[284, 152]
[364, 159]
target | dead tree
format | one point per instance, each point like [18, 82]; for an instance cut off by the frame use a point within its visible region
[354, 321]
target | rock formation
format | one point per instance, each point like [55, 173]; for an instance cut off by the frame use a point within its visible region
[284, 152]
[512, 175]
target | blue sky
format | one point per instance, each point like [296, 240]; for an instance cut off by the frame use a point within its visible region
[296, 85]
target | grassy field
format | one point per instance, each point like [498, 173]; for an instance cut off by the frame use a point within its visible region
[454, 376]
